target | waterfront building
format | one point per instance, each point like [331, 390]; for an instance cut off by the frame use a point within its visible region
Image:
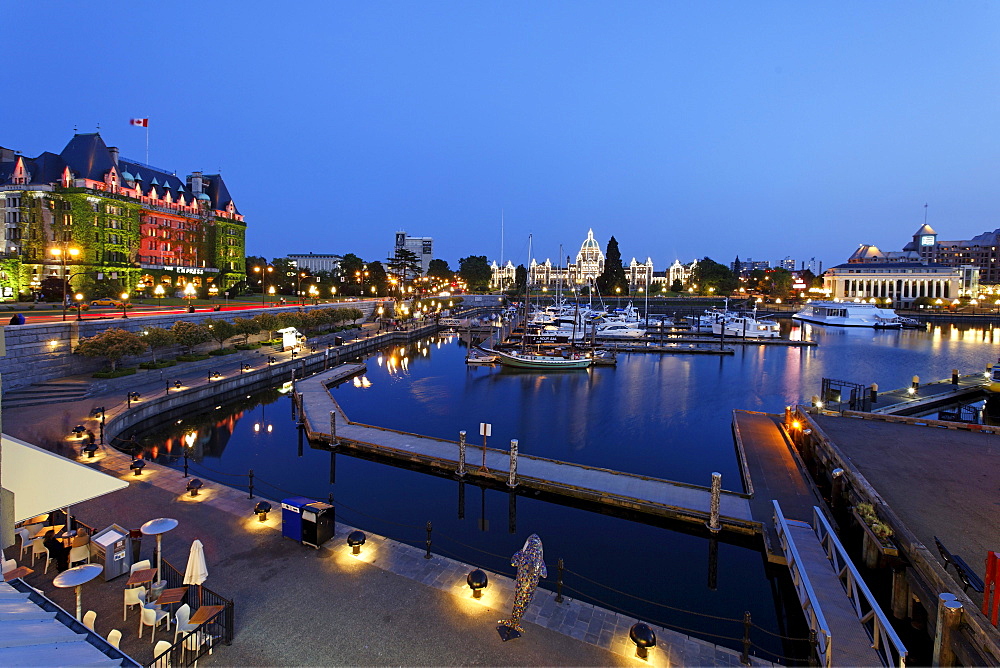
[422, 247]
[89, 214]
[315, 262]
[898, 278]
[640, 275]
[588, 266]
[680, 272]
[503, 277]
[981, 251]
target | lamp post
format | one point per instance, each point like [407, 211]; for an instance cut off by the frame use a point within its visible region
[264, 271]
[124, 297]
[61, 255]
[314, 294]
[79, 306]
[189, 293]
[213, 291]
[158, 293]
[302, 298]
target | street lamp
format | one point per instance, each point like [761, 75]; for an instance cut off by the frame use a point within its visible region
[314, 294]
[264, 271]
[59, 253]
[302, 276]
[124, 297]
[213, 291]
[190, 292]
[79, 306]
[158, 292]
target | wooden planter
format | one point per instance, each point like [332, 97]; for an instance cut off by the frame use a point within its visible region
[872, 547]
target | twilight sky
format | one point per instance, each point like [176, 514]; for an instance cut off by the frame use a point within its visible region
[685, 129]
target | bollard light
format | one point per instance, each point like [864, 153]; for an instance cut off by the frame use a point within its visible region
[79, 429]
[137, 466]
[90, 449]
[177, 384]
[477, 581]
[193, 486]
[356, 539]
[262, 509]
[643, 637]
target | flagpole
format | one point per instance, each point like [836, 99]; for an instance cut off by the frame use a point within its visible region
[147, 142]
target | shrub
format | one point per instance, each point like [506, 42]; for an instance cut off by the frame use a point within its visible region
[113, 345]
[222, 351]
[115, 373]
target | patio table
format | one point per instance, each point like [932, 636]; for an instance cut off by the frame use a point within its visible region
[141, 576]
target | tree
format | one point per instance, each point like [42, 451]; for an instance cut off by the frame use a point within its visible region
[113, 345]
[377, 278]
[613, 276]
[520, 279]
[475, 271]
[268, 322]
[246, 327]
[780, 282]
[677, 286]
[157, 337]
[220, 330]
[189, 334]
[713, 278]
[440, 269]
[404, 265]
[351, 268]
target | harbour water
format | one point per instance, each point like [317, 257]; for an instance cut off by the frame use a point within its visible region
[667, 416]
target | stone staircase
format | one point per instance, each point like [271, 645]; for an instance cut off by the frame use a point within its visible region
[52, 391]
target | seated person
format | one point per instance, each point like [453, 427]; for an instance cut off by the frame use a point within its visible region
[81, 538]
[57, 550]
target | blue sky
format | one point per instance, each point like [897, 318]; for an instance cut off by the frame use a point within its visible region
[684, 129]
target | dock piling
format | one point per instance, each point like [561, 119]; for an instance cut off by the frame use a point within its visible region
[333, 428]
[430, 528]
[949, 618]
[713, 522]
[461, 454]
[512, 477]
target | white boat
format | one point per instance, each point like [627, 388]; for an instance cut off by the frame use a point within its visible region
[619, 330]
[849, 314]
[747, 326]
[537, 361]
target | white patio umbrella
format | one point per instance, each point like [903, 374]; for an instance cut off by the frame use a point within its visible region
[197, 569]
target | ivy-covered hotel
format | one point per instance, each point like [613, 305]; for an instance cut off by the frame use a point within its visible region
[114, 224]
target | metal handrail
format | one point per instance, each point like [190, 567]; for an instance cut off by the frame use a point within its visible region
[884, 639]
[807, 597]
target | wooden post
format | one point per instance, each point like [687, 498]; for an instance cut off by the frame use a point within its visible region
[949, 616]
[333, 428]
[837, 488]
[954, 376]
[874, 392]
[916, 383]
[512, 476]
[461, 454]
[900, 592]
[713, 522]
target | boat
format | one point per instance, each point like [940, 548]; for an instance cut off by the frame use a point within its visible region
[619, 330]
[747, 326]
[477, 356]
[529, 360]
[993, 374]
[849, 314]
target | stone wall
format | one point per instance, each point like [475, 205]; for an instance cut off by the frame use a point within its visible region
[39, 352]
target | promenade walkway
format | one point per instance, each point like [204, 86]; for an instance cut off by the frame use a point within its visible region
[299, 606]
[641, 493]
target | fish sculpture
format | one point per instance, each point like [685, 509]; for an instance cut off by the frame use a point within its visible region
[530, 564]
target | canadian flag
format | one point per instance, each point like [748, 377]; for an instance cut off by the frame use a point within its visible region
[140, 122]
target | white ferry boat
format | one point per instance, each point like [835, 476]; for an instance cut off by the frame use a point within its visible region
[849, 314]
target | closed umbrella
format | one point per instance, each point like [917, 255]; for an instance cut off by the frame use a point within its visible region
[197, 569]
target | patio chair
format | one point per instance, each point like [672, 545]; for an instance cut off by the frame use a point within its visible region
[25, 537]
[9, 565]
[89, 618]
[38, 549]
[132, 597]
[139, 566]
[194, 641]
[181, 625]
[114, 638]
[81, 553]
[158, 649]
[152, 617]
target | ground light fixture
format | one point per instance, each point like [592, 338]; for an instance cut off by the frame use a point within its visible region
[177, 384]
[477, 581]
[137, 465]
[90, 448]
[261, 510]
[356, 539]
[194, 484]
[643, 637]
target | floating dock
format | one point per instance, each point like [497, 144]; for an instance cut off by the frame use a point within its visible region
[325, 422]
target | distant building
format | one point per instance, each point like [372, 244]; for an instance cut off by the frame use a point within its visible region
[788, 263]
[315, 262]
[981, 251]
[749, 264]
[588, 266]
[422, 247]
[502, 277]
[680, 272]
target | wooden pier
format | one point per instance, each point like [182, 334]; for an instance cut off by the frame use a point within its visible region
[772, 471]
[637, 493]
[928, 396]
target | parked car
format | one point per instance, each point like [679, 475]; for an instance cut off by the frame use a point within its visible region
[106, 301]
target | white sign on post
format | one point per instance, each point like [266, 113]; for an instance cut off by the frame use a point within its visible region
[485, 429]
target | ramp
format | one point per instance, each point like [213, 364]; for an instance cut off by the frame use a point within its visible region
[851, 629]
